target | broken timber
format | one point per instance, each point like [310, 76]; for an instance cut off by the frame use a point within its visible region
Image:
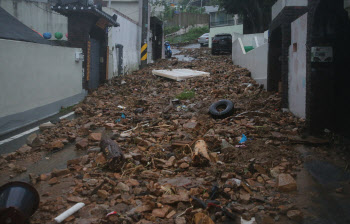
[114, 155]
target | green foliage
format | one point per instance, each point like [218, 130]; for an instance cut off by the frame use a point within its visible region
[66, 109]
[171, 29]
[186, 95]
[193, 34]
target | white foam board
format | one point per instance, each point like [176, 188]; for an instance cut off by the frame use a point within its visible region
[180, 74]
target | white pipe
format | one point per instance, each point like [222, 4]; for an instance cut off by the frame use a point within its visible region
[69, 212]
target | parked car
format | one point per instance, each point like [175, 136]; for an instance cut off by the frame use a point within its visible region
[204, 39]
[221, 43]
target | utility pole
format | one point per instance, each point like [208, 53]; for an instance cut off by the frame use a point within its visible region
[144, 29]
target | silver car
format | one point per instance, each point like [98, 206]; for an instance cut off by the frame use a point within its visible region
[204, 39]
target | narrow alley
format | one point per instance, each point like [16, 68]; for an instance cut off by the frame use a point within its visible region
[174, 111]
[159, 124]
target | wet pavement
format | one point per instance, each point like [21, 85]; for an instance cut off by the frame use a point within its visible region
[177, 53]
[318, 182]
[15, 144]
[192, 46]
[47, 162]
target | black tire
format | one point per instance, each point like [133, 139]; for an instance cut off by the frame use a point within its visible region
[202, 45]
[228, 111]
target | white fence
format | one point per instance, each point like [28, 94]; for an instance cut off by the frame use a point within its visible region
[255, 60]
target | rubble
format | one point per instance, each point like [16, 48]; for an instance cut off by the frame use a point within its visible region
[45, 126]
[295, 215]
[285, 182]
[146, 159]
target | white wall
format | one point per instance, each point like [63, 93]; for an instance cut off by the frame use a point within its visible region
[128, 8]
[297, 67]
[255, 60]
[280, 4]
[225, 29]
[37, 16]
[33, 75]
[127, 34]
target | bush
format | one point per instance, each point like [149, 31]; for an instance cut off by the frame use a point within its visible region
[171, 29]
[192, 35]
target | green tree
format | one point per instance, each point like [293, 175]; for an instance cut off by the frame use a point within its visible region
[256, 14]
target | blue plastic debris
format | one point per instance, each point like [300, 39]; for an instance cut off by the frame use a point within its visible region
[119, 119]
[243, 139]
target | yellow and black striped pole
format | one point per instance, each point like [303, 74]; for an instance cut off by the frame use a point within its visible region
[144, 53]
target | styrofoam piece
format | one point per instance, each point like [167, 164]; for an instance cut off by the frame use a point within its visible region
[180, 74]
[251, 221]
[69, 212]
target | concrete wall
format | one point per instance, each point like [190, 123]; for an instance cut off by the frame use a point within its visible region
[36, 80]
[186, 19]
[36, 15]
[280, 4]
[127, 34]
[225, 29]
[128, 8]
[255, 60]
[297, 67]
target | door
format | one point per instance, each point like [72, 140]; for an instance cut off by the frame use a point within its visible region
[94, 80]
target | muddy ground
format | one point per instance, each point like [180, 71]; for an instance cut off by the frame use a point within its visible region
[157, 124]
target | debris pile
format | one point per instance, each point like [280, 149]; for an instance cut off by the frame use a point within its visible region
[154, 158]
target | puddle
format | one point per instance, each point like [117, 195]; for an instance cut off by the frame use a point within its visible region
[180, 57]
[56, 160]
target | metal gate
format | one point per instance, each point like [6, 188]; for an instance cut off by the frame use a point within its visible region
[94, 79]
